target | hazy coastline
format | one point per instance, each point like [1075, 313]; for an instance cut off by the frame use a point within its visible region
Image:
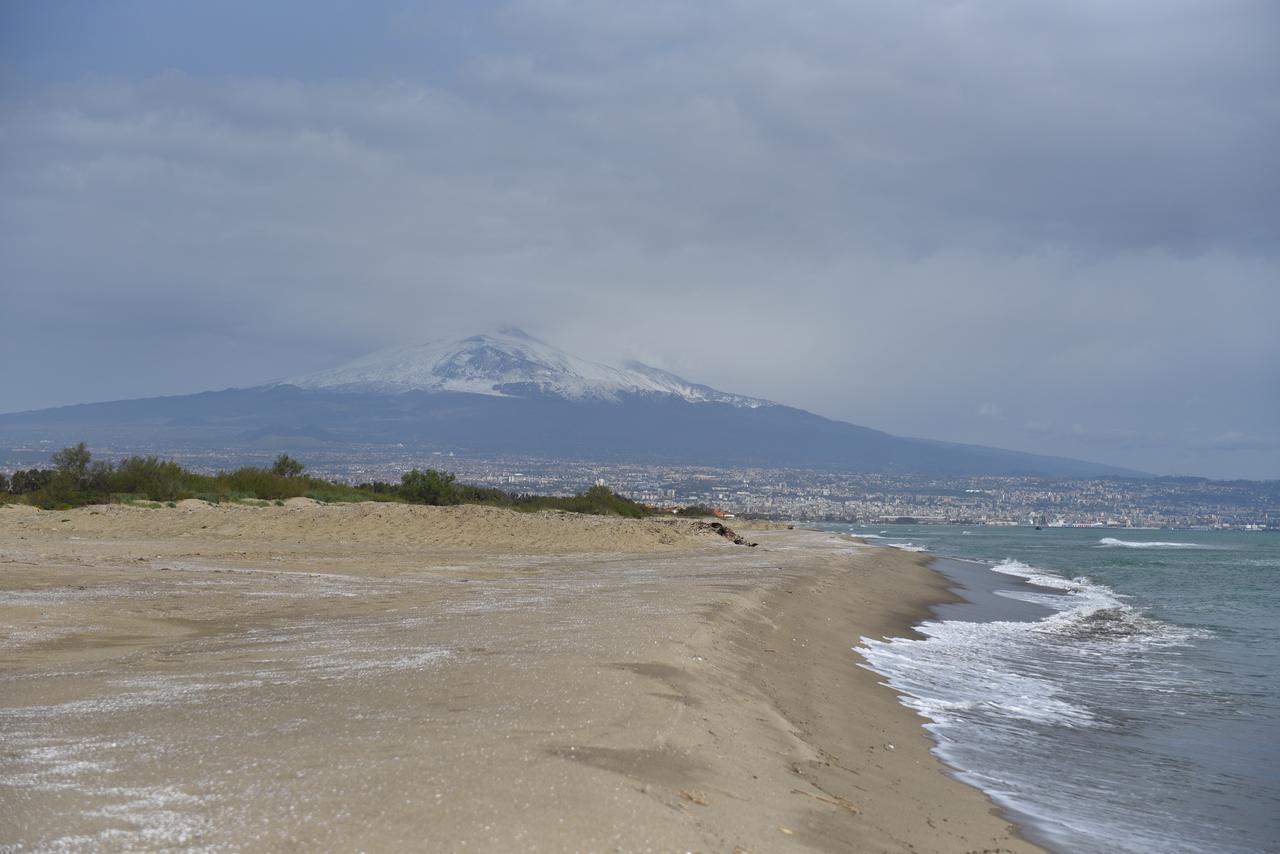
[391, 676]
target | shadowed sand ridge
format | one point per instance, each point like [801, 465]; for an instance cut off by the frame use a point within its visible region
[388, 677]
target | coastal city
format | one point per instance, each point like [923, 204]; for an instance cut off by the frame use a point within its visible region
[878, 498]
[799, 494]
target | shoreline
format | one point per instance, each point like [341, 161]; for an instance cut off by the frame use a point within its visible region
[970, 583]
[895, 764]
[1095, 688]
[338, 677]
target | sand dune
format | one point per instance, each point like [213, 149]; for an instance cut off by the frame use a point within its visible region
[306, 522]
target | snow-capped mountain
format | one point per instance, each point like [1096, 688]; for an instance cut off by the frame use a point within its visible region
[507, 394]
[507, 363]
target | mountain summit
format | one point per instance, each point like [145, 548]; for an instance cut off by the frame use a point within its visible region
[507, 363]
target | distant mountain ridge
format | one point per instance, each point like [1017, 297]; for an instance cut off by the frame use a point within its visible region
[507, 393]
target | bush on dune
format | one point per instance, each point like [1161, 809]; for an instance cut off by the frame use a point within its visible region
[77, 479]
[428, 487]
[602, 501]
[260, 483]
[287, 466]
[598, 501]
[157, 479]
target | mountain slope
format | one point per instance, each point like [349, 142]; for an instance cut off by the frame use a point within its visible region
[508, 394]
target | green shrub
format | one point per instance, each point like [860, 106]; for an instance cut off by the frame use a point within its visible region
[602, 500]
[378, 487]
[28, 481]
[598, 500]
[287, 466]
[77, 479]
[428, 487]
[158, 480]
[260, 483]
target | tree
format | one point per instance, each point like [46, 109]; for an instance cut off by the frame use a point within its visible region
[428, 487]
[31, 480]
[98, 477]
[73, 463]
[287, 466]
[4, 482]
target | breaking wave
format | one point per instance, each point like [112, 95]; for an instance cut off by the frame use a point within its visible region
[996, 668]
[1101, 725]
[907, 547]
[1112, 542]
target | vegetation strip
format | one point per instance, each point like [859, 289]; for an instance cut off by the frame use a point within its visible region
[76, 479]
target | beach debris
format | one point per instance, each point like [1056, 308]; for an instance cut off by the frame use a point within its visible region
[694, 797]
[724, 531]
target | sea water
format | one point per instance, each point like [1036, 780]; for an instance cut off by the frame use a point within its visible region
[1127, 698]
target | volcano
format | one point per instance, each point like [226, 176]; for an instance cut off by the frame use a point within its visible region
[508, 393]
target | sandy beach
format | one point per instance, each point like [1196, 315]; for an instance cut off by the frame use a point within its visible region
[383, 677]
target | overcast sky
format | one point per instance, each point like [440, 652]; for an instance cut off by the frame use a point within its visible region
[1046, 226]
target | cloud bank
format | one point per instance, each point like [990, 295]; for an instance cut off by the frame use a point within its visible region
[1053, 229]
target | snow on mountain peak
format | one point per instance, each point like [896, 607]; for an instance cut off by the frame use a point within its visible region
[508, 362]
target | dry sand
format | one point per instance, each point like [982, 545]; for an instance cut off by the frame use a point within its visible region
[385, 678]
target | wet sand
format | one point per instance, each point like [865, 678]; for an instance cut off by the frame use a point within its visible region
[382, 677]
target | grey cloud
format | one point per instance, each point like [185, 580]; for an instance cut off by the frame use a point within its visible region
[995, 122]
[1234, 440]
[1117, 436]
[882, 212]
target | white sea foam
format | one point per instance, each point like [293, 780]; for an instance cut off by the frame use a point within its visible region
[995, 669]
[1090, 610]
[1037, 576]
[907, 547]
[1112, 542]
[957, 669]
[1100, 727]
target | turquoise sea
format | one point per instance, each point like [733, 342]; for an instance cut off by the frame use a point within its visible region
[1112, 690]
